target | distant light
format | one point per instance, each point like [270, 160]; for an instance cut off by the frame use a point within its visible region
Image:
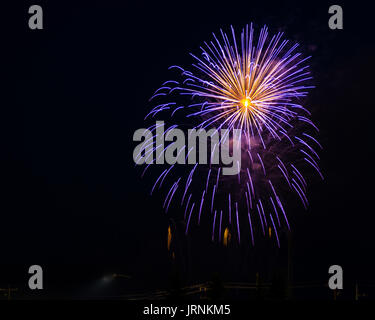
[107, 278]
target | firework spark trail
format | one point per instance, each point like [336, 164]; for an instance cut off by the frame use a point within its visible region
[255, 87]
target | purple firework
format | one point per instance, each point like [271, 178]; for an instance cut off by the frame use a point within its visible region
[256, 87]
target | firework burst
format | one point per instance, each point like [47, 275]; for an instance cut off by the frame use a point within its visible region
[257, 87]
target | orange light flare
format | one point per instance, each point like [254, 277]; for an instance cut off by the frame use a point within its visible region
[169, 238]
[246, 104]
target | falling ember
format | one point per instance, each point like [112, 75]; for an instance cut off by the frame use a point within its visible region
[257, 85]
[226, 237]
[169, 237]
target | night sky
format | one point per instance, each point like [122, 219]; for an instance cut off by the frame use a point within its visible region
[71, 199]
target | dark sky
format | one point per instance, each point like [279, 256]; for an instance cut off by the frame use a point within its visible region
[74, 93]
